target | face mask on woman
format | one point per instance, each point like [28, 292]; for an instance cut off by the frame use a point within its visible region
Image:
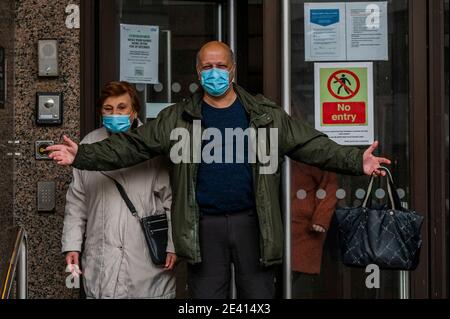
[117, 123]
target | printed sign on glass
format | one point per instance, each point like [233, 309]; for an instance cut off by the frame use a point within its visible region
[139, 47]
[344, 102]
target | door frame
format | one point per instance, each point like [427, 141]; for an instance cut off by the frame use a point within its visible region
[430, 279]
[426, 143]
[438, 211]
[419, 281]
[426, 19]
[88, 65]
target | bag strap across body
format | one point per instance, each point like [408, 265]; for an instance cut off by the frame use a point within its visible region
[154, 228]
[125, 197]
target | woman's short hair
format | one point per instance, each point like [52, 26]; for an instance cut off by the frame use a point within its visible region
[117, 88]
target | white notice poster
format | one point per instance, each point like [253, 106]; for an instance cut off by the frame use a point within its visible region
[346, 31]
[325, 31]
[367, 31]
[344, 101]
[139, 47]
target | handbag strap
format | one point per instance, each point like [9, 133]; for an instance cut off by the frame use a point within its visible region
[125, 197]
[393, 196]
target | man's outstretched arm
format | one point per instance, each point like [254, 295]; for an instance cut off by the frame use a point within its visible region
[119, 150]
[305, 144]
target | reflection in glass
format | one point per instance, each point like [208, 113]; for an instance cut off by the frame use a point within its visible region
[316, 209]
[181, 36]
[391, 111]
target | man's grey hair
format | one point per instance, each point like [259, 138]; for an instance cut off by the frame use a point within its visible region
[233, 61]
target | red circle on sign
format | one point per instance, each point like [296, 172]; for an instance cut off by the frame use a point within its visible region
[334, 76]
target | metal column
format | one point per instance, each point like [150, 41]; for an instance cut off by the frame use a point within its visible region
[219, 22]
[22, 275]
[232, 44]
[232, 25]
[286, 169]
[168, 34]
[404, 275]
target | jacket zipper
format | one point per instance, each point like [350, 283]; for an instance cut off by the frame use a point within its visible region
[197, 214]
[195, 205]
[255, 189]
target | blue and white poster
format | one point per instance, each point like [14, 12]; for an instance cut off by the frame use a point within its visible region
[325, 32]
[346, 31]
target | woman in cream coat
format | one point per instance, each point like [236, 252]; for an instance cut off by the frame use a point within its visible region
[115, 258]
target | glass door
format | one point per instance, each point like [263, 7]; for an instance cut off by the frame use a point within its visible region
[181, 28]
[316, 268]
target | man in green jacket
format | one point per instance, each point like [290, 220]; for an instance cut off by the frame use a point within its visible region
[226, 208]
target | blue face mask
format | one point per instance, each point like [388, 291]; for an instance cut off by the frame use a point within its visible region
[215, 81]
[116, 123]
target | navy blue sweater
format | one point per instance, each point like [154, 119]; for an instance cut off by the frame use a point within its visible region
[225, 187]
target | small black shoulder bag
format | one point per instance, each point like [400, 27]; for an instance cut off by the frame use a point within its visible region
[155, 229]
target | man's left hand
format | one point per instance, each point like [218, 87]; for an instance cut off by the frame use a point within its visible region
[371, 163]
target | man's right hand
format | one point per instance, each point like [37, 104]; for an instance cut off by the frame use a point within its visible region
[63, 154]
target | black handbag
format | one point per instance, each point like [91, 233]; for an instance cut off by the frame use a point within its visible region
[155, 229]
[386, 236]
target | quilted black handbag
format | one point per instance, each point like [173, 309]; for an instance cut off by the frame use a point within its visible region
[155, 228]
[388, 236]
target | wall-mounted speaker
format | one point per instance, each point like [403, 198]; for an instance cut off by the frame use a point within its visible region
[48, 57]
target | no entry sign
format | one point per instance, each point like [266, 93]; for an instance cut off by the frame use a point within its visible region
[344, 102]
[344, 89]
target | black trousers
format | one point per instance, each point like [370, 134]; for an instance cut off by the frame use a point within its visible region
[225, 239]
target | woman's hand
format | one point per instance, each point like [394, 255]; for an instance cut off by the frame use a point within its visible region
[318, 228]
[73, 263]
[63, 154]
[170, 261]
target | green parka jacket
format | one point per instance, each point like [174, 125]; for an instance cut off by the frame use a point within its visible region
[296, 139]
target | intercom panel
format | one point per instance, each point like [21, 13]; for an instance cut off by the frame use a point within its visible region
[49, 108]
[46, 196]
[48, 57]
